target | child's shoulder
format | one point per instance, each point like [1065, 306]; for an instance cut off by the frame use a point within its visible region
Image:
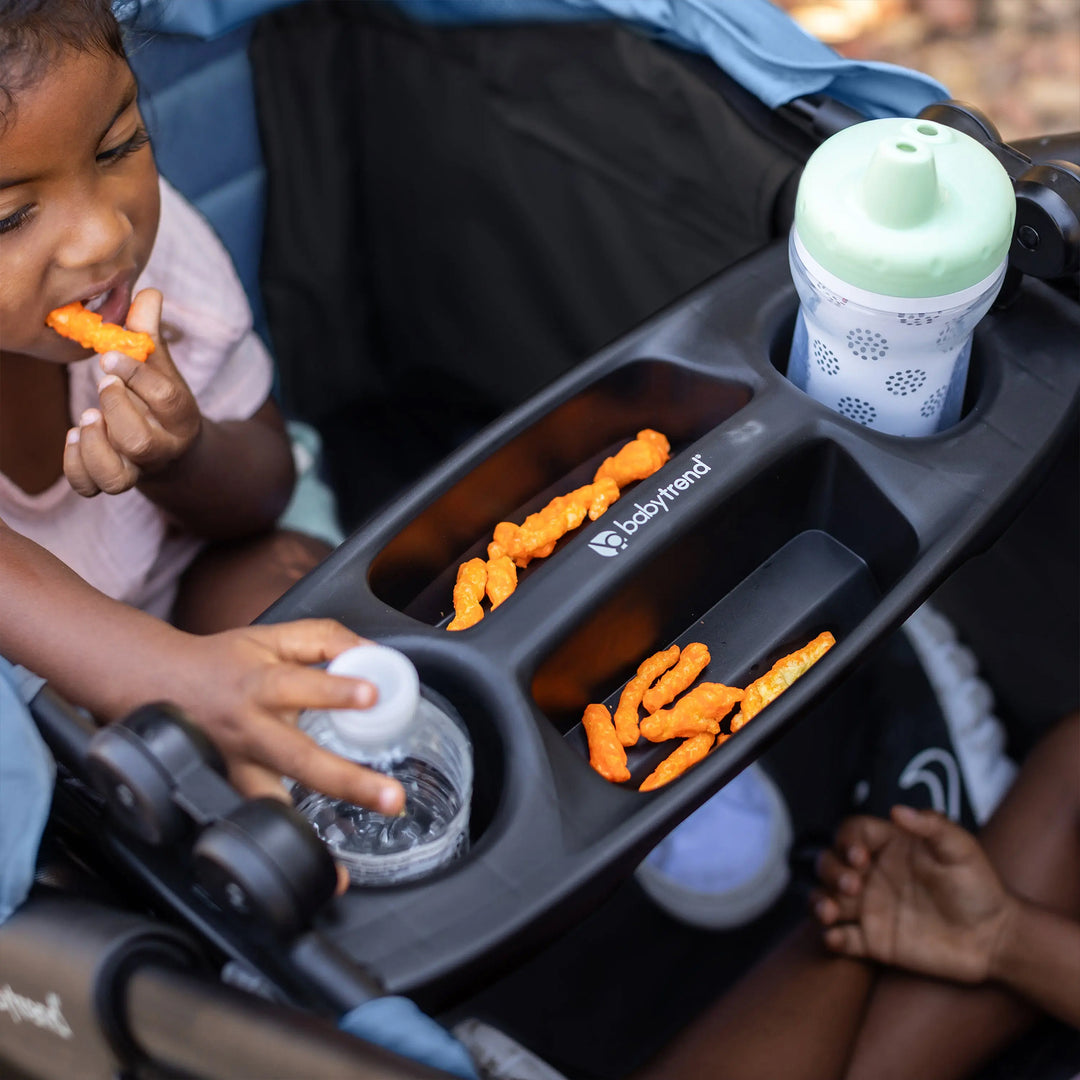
[195, 273]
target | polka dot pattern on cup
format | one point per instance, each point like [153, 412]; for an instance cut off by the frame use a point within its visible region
[856, 409]
[932, 405]
[903, 383]
[867, 344]
[918, 318]
[825, 357]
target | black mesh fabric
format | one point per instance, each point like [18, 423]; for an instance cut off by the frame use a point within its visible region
[456, 216]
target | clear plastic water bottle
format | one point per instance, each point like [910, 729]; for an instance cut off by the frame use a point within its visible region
[406, 736]
[899, 247]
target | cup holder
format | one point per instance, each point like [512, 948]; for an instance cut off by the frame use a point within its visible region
[978, 379]
[452, 689]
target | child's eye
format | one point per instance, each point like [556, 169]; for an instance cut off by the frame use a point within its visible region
[13, 221]
[117, 153]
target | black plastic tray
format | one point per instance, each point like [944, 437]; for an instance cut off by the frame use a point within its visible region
[782, 519]
[804, 521]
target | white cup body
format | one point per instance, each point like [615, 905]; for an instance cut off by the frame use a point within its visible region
[894, 364]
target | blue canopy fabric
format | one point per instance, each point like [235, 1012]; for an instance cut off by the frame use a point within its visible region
[755, 42]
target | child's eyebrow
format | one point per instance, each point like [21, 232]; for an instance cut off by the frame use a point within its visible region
[129, 96]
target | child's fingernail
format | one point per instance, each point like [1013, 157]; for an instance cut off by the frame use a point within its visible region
[110, 361]
[89, 416]
[110, 380]
[364, 694]
[387, 801]
[72, 436]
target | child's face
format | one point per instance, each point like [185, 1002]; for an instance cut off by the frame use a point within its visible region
[78, 201]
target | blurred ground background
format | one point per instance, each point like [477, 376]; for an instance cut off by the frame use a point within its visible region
[1016, 60]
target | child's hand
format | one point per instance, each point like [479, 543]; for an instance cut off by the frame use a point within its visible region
[147, 420]
[917, 891]
[246, 688]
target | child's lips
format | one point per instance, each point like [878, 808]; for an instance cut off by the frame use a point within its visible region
[111, 303]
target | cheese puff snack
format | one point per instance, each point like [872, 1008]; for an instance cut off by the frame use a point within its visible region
[87, 328]
[606, 753]
[698, 710]
[537, 535]
[626, 712]
[687, 753]
[637, 459]
[779, 677]
[468, 592]
[693, 661]
[501, 579]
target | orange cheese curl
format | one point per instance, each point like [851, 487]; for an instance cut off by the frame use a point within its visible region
[698, 710]
[693, 661]
[468, 592]
[688, 752]
[606, 753]
[779, 677]
[626, 712]
[87, 328]
[637, 459]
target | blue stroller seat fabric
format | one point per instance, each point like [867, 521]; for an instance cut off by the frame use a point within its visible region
[26, 781]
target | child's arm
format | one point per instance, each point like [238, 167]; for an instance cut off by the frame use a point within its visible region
[243, 687]
[920, 893]
[217, 479]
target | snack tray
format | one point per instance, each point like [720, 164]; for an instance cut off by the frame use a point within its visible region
[774, 519]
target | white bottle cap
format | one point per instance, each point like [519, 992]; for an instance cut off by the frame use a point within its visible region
[381, 726]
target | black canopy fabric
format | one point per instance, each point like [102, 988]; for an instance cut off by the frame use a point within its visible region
[456, 216]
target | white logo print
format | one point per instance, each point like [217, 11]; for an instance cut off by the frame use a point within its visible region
[46, 1016]
[607, 543]
[944, 797]
[611, 542]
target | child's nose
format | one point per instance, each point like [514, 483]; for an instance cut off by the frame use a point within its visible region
[97, 236]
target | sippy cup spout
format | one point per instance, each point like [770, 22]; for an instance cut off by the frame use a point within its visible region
[900, 187]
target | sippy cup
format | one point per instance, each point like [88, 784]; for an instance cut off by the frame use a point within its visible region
[899, 247]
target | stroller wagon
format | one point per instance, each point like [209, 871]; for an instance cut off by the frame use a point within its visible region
[494, 202]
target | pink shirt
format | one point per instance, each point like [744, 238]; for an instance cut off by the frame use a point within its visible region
[122, 544]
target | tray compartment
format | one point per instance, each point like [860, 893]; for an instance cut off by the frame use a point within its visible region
[817, 500]
[415, 571]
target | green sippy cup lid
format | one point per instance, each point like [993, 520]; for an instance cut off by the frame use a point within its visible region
[905, 207]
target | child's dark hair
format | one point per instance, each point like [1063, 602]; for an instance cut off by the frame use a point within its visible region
[33, 31]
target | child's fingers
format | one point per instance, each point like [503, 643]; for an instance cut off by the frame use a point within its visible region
[290, 752]
[288, 688]
[947, 840]
[144, 315]
[830, 908]
[255, 781]
[119, 364]
[308, 641]
[109, 470]
[847, 939]
[860, 838]
[127, 420]
[74, 468]
[837, 876]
